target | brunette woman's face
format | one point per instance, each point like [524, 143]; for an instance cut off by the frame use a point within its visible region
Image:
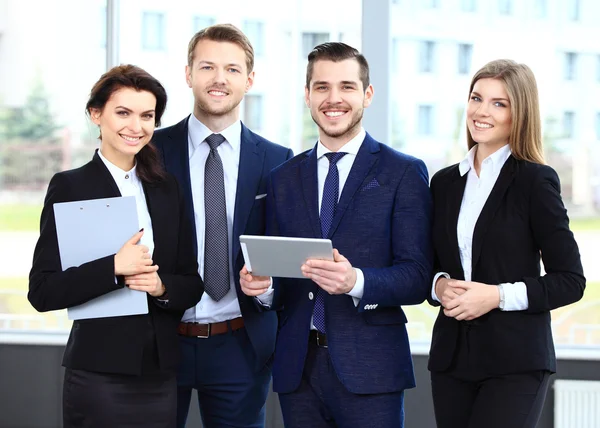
[126, 124]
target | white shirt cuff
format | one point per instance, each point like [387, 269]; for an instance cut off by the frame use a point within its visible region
[266, 299]
[515, 296]
[359, 287]
[435, 278]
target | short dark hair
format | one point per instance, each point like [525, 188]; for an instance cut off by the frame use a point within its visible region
[149, 167]
[336, 52]
[223, 33]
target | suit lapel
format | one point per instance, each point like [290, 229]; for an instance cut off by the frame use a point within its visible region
[454, 197]
[507, 174]
[176, 156]
[366, 158]
[112, 190]
[309, 183]
[252, 157]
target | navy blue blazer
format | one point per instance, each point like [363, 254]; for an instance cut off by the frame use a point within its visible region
[258, 157]
[382, 226]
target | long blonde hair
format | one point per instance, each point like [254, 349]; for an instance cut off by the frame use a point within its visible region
[525, 139]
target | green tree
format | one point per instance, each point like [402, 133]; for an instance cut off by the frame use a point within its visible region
[30, 152]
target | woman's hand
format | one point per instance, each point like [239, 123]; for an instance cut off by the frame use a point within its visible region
[148, 282]
[133, 259]
[475, 299]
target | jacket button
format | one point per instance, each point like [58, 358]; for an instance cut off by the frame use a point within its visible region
[311, 295]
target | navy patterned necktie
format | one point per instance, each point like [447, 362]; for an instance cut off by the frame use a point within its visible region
[216, 246]
[331, 190]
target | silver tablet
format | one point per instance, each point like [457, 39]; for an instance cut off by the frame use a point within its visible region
[280, 256]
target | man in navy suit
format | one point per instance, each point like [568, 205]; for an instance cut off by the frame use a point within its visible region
[342, 357]
[227, 339]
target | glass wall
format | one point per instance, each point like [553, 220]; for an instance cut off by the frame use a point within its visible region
[438, 46]
[46, 73]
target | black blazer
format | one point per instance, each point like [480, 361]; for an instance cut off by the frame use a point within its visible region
[523, 217]
[116, 345]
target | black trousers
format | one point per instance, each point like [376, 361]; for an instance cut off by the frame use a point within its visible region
[101, 400]
[466, 396]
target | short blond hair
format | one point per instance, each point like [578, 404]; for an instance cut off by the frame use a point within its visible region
[223, 33]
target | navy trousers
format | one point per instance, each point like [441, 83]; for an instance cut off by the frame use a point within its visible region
[322, 401]
[220, 368]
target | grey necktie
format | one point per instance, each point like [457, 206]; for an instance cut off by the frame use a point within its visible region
[216, 247]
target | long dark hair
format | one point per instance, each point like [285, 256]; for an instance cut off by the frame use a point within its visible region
[149, 166]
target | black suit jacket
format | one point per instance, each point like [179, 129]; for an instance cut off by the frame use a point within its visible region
[116, 344]
[523, 217]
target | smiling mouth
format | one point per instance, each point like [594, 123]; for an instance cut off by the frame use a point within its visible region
[217, 93]
[481, 125]
[334, 114]
[130, 140]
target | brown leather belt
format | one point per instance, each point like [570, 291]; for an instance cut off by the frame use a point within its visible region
[204, 331]
[318, 338]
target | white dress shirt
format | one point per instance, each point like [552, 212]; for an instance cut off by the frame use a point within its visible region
[209, 310]
[129, 184]
[344, 166]
[477, 191]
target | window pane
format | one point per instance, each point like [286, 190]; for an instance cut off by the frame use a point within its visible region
[45, 78]
[505, 7]
[310, 40]
[464, 58]
[153, 31]
[253, 109]
[201, 22]
[256, 33]
[570, 65]
[426, 56]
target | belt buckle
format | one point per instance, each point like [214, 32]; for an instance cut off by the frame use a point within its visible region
[207, 333]
[319, 341]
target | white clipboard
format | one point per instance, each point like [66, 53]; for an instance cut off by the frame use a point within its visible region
[92, 229]
[282, 257]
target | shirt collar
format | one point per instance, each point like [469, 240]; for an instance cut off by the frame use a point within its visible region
[351, 147]
[199, 131]
[498, 158]
[117, 173]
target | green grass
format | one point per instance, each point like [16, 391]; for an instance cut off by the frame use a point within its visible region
[585, 224]
[20, 217]
[23, 217]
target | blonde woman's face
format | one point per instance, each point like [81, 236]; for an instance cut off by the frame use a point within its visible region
[489, 116]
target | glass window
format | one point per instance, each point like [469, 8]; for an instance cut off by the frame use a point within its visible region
[468, 5]
[256, 33]
[568, 124]
[425, 120]
[253, 112]
[465, 51]
[573, 9]
[541, 8]
[43, 130]
[201, 22]
[153, 31]
[570, 65]
[423, 103]
[505, 7]
[426, 56]
[310, 40]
